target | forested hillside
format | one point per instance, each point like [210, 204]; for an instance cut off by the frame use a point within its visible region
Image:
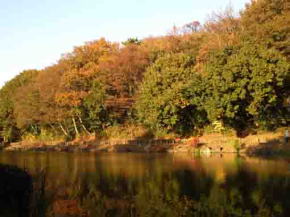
[232, 69]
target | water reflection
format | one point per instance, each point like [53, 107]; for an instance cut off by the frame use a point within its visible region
[154, 185]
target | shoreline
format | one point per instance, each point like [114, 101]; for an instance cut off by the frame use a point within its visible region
[253, 145]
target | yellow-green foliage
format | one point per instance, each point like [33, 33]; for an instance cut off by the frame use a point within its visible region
[235, 143]
[44, 136]
[125, 132]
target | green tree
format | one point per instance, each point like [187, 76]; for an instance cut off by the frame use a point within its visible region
[132, 41]
[267, 21]
[9, 131]
[246, 86]
[160, 103]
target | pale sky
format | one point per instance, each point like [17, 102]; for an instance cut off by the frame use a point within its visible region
[35, 33]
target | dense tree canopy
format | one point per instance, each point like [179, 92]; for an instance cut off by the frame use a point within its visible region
[267, 21]
[9, 118]
[232, 69]
[160, 103]
[246, 85]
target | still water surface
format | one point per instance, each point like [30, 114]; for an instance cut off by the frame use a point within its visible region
[165, 185]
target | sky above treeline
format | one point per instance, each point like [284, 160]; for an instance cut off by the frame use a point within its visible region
[35, 33]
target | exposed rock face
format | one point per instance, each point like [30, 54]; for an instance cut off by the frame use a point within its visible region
[15, 192]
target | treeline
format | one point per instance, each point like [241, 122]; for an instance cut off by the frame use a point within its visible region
[232, 69]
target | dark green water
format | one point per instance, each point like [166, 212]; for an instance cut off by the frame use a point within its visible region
[85, 184]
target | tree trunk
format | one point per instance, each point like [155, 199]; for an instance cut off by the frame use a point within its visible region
[63, 130]
[75, 126]
[83, 126]
[53, 128]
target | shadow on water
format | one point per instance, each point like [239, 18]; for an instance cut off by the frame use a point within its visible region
[15, 192]
[22, 195]
[272, 147]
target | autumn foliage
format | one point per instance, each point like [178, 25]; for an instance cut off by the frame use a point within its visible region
[233, 68]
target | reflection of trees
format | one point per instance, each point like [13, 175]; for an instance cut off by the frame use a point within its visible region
[189, 193]
[243, 194]
[157, 186]
[273, 193]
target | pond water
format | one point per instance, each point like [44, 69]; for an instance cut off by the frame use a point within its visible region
[97, 185]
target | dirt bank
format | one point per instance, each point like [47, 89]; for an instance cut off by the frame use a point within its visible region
[263, 143]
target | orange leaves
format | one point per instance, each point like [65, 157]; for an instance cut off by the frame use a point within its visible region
[91, 52]
[78, 79]
[165, 43]
[70, 99]
[221, 30]
[83, 68]
[124, 69]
